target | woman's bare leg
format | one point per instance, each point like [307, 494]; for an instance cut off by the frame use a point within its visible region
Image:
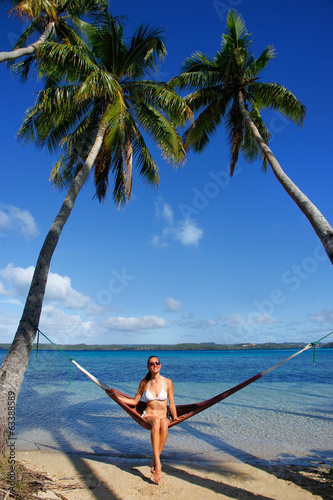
[159, 434]
[164, 429]
[155, 441]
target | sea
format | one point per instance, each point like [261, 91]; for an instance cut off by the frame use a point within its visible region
[285, 417]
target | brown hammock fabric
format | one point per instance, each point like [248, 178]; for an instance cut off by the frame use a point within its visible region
[183, 411]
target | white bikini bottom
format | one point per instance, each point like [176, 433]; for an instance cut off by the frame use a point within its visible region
[144, 415]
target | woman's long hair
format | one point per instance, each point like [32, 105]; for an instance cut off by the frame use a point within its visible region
[144, 382]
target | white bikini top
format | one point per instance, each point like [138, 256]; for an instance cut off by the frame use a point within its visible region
[161, 397]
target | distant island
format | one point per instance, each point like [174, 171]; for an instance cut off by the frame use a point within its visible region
[204, 346]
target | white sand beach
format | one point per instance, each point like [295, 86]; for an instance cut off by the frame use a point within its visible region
[93, 477]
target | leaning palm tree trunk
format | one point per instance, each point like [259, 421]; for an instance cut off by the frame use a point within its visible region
[14, 366]
[321, 226]
[30, 49]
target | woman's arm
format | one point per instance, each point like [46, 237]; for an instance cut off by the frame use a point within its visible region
[131, 401]
[172, 406]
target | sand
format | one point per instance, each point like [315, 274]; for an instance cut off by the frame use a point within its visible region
[93, 477]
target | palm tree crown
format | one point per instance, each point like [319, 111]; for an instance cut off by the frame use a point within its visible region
[100, 82]
[227, 87]
[49, 19]
[219, 83]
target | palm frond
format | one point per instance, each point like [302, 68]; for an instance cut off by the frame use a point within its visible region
[236, 35]
[107, 44]
[68, 62]
[197, 72]
[250, 148]
[77, 146]
[101, 172]
[79, 8]
[117, 167]
[161, 96]
[22, 69]
[235, 127]
[259, 122]
[52, 117]
[28, 9]
[117, 116]
[198, 62]
[144, 161]
[144, 51]
[128, 162]
[200, 131]
[202, 97]
[162, 131]
[255, 66]
[277, 97]
[99, 84]
[36, 27]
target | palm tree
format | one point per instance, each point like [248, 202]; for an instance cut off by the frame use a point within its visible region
[227, 89]
[49, 19]
[98, 112]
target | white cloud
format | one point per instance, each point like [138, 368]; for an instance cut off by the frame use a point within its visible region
[58, 288]
[263, 319]
[199, 324]
[167, 213]
[3, 291]
[64, 328]
[158, 242]
[186, 231]
[202, 323]
[236, 320]
[55, 323]
[121, 323]
[8, 325]
[233, 320]
[172, 305]
[323, 316]
[13, 219]
[18, 279]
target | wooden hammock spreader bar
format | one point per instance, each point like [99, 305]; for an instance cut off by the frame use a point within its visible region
[183, 411]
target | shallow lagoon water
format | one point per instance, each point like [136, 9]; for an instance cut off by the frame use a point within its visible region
[285, 417]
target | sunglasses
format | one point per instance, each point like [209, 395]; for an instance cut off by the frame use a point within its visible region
[153, 363]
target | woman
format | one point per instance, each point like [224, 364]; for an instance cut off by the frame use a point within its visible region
[156, 390]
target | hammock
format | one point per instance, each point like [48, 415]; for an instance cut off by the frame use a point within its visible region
[183, 411]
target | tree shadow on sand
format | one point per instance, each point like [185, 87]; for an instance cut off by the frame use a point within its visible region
[89, 417]
[193, 477]
[313, 478]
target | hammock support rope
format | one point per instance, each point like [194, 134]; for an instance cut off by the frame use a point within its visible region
[183, 411]
[39, 332]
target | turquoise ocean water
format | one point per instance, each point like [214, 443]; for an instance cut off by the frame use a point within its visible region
[286, 416]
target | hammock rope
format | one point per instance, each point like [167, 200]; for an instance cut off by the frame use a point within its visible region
[183, 411]
[39, 332]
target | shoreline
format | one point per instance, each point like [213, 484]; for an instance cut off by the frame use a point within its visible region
[206, 458]
[88, 476]
[204, 346]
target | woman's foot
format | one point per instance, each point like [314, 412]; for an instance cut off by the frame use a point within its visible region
[158, 473]
[152, 470]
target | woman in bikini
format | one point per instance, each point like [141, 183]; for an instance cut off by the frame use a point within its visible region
[156, 390]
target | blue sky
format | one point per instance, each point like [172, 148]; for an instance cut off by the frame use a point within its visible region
[205, 258]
